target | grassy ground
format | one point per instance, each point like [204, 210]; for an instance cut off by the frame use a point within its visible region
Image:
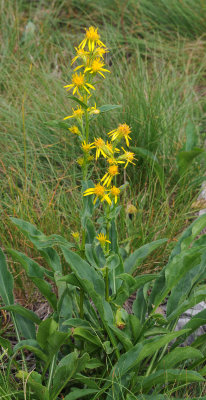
[157, 64]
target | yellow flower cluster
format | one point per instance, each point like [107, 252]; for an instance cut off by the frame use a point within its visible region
[90, 53]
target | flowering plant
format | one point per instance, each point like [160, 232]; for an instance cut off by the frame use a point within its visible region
[89, 327]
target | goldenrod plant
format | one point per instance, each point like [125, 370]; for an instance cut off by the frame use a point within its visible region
[90, 346]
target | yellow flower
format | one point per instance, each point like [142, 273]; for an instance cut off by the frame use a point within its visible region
[102, 148]
[115, 192]
[131, 210]
[93, 110]
[86, 147]
[80, 161]
[78, 83]
[76, 236]
[96, 67]
[81, 53]
[92, 38]
[99, 192]
[100, 51]
[74, 129]
[128, 156]
[78, 113]
[122, 131]
[102, 239]
[112, 171]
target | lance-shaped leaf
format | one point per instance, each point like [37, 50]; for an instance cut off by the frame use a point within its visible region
[130, 285]
[179, 356]
[41, 392]
[36, 273]
[77, 394]
[33, 346]
[28, 314]
[166, 376]
[66, 369]
[136, 258]
[43, 243]
[6, 281]
[139, 352]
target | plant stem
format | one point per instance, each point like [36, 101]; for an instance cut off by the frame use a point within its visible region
[81, 304]
[107, 284]
[51, 371]
[18, 337]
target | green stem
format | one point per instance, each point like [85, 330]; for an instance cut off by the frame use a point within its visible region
[81, 304]
[19, 339]
[107, 284]
[51, 371]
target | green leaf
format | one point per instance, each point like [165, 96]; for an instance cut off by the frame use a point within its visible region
[152, 159]
[63, 373]
[189, 235]
[40, 391]
[174, 271]
[83, 271]
[135, 326]
[28, 314]
[49, 338]
[87, 335]
[185, 158]
[166, 376]
[6, 345]
[90, 231]
[36, 273]
[139, 307]
[77, 394]
[136, 258]
[191, 136]
[130, 285]
[140, 351]
[33, 346]
[83, 105]
[122, 337]
[178, 356]
[108, 107]
[6, 281]
[42, 242]
[25, 326]
[196, 297]
[86, 380]
[94, 363]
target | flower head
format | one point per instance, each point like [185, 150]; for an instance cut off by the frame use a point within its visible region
[86, 147]
[122, 131]
[81, 53]
[102, 239]
[76, 236]
[112, 171]
[80, 161]
[96, 67]
[115, 192]
[79, 83]
[100, 51]
[100, 192]
[77, 114]
[102, 148]
[128, 157]
[74, 129]
[92, 38]
[93, 110]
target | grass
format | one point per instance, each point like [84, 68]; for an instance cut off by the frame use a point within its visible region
[157, 63]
